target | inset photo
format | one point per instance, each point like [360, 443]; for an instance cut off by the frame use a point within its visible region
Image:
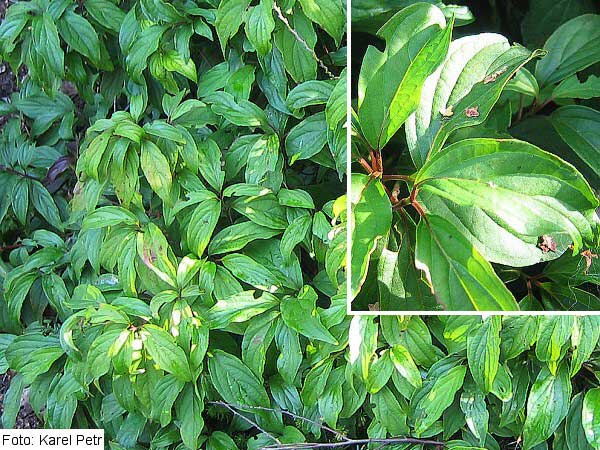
[475, 158]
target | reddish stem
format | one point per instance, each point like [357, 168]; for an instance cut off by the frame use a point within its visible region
[11, 247]
[365, 165]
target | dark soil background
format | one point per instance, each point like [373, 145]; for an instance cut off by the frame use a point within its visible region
[26, 417]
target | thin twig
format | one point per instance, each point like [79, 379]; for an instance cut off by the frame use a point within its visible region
[250, 421]
[536, 108]
[301, 40]
[11, 247]
[16, 172]
[344, 440]
[290, 414]
[385, 441]
[365, 165]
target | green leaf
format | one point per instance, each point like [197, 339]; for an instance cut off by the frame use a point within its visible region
[79, 34]
[11, 401]
[389, 413]
[295, 234]
[47, 44]
[229, 18]
[300, 314]
[591, 417]
[578, 126]
[526, 192]
[237, 236]
[299, 61]
[106, 13]
[307, 138]
[483, 352]
[263, 159]
[362, 344]
[173, 62]
[390, 83]
[239, 307]
[296, 198]
[472, 404]
[309, 93]
[20, 200]
[91, 157]
[44, 204]
[103, 348]
[574, 431]
[572, 88]
[329, 15]
[553, 333]
[524, 82]
[32, 354]
[259, 26]
[486, 73]
[335, 109]
[5, 340]
[380, 372]
[166, 353]
[542, 421]
[220, 441]
[469, 60]
[252, 272]
[202, 224]
[399, 283]
[290, 357]
[142, 47]
[518, 334]
[256, 342]
[263, 210]
[156, 170]
[545, 16]
[235, 382]
[584, 338]
[189, 411]
[241, 112]
[405, 365]
[130, 130]
[331, 401]
[460, 277]
[162, 129]
[316, 381]
[210, 164]
[14, 21]
[435, 397]
[166, 391]
[372, 214]
[571, 48]
[108, 216]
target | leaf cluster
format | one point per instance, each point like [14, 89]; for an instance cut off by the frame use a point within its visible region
[169, 176]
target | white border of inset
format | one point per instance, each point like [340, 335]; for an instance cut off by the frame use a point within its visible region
[348, 155]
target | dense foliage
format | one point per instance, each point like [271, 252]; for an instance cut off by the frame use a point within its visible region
[173, 246]
[464, 208]
[168, 173]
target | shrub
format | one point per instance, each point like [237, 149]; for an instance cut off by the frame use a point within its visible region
[168, 183]
[473, 111]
